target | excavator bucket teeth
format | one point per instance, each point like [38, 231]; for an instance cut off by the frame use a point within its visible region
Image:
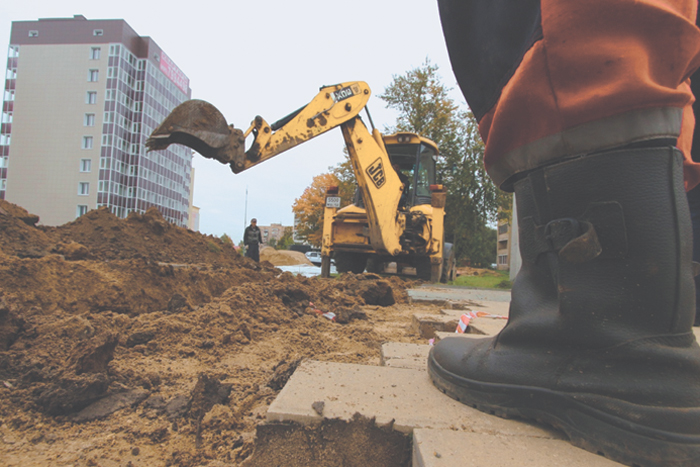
[196, 124]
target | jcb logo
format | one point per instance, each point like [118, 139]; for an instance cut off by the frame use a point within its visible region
[376, 173]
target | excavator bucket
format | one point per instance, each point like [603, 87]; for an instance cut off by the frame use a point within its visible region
[200, 126]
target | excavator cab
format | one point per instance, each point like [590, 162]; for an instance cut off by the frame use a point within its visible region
[414, 157]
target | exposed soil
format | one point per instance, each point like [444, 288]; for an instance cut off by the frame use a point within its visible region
[137, 343]
[469, 271]
[283, 257]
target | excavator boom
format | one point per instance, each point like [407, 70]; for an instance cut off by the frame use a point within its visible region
[202, 127]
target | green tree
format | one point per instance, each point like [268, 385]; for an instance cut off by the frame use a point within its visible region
[287, 239]
[425, 107]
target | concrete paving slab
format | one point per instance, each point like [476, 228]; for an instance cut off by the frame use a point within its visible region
[402, 398]
[426, 325]
[495, 308]
[400, 355]
[450, 448]
[455, 293]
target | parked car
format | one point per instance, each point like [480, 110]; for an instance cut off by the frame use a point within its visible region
[314, 257]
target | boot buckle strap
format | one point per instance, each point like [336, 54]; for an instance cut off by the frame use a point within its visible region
[599, 232]
[576, 241]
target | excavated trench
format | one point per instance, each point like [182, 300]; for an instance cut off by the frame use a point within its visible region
[135, 342]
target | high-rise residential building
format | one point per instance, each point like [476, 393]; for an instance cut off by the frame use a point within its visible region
[81, 97]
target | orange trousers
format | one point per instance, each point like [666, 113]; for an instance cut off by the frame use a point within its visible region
[595, 75]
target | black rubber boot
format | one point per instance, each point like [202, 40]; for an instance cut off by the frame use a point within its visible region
[599, 341]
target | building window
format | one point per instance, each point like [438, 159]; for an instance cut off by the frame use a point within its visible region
[85, 165]
[89, 120]
[503, 228]
[5, 140]
[93, 75]
[33, 33]
[502, 259]
[3, 184]
[3, 162]
[84, 188]
[87, 142]
[82, 209]
[97, 32]
[95, 53]
[91, 97]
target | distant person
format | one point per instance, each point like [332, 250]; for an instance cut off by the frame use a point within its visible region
[252, 238]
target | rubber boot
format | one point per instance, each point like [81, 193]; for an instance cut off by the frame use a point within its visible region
[599, 341]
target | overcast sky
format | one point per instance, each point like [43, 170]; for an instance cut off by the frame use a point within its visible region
[269, 58]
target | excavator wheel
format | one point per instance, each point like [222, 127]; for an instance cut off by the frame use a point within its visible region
[375, 265]
[448, 264]
[350, 262]
[428, 271]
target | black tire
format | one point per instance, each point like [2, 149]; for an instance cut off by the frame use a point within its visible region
[423, 268]
[375, 265]
[350, 262]
[448, 264]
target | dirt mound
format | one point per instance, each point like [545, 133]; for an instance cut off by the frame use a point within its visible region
[283, 257]
[468, 271]
[18, 234]
[136, 341]
[148, 235]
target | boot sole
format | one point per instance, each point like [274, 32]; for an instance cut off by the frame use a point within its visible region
[587, 427]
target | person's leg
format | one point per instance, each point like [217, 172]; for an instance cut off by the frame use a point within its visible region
[549, 79]
[694, 204]
[580, 115]
[255, 252]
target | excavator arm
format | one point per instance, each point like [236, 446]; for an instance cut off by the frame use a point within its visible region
[201, 126]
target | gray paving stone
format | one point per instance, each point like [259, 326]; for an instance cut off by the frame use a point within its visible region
[450, 448]
[400, 397]
[400, 355]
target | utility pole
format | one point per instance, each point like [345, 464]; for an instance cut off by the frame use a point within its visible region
[245, 215]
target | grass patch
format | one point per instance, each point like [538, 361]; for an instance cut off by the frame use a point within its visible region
[499, 281]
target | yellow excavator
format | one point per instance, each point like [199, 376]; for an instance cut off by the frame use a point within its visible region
[398, 212]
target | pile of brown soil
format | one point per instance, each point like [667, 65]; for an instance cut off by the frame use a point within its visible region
[283, 257]
[469, 271]
[135, 342]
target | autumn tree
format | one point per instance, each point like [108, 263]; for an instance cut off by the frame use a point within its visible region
[308, 208]
[425, 107]
[347, 183]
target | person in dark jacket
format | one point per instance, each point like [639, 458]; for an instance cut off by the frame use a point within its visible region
[252, 238]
